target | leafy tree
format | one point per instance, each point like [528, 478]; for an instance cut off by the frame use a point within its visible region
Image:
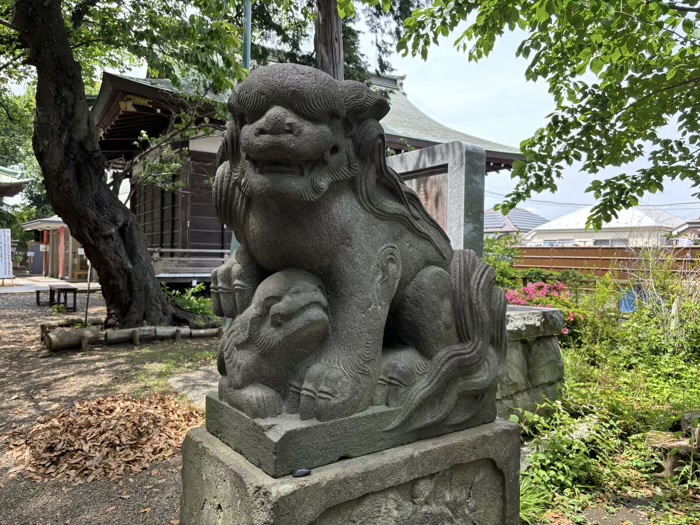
[16, 115]
[624, 75]
[64, 44]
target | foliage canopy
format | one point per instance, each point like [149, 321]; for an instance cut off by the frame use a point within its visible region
[624, 76]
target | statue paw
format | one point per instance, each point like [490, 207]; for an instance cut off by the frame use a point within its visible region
[401, 368]
[329, 393]
[232, 287]
[256, 401]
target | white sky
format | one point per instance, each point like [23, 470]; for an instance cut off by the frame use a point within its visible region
[492, 100]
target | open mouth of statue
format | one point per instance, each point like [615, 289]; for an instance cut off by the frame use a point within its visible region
[282, 168]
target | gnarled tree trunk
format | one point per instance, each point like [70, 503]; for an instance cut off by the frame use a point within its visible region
[67, 148]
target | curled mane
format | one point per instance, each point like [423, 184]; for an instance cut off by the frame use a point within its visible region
[404, 206]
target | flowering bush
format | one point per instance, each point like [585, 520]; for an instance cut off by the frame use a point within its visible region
[555, 295]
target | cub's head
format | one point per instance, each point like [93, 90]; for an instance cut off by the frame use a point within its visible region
[296, 130]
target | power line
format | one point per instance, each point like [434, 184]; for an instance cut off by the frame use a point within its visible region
[677, 205]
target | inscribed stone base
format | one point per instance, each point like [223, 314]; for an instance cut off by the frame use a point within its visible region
[468, 477]
[285, 443]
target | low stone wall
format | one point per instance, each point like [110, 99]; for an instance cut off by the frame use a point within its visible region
[534, 366]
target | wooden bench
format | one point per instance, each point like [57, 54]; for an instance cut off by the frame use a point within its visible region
[39, 291]
[79, 274]
[58, 290]
[95, 288]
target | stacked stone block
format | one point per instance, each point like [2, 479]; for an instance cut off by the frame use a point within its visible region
[534, 369]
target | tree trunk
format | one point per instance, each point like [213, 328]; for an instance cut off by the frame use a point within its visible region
[66, 145]
[328, 39]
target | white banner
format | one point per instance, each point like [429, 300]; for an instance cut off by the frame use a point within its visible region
[5, 254]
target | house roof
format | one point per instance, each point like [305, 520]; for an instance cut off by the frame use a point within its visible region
[518, 220]
[688, 225]
[639, 217]
[125, 105]
[10, 183]
[408, 123]
[48, 223]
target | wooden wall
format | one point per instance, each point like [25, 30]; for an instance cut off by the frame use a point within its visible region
[204, 230]
[432, 191]
[183, 219]
[599, 260]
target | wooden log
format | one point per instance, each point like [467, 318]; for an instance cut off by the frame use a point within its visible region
[67, 321]
[126, 335]
[68, 339]
[206, 332]
[673, 450]
[170, 332]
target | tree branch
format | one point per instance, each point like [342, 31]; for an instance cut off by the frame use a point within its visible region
[11, 62]
[80, 11]
[8, 25]
[683, 8]
[657, 91]
[7, 112]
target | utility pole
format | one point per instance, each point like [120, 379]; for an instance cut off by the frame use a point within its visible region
[247, 29]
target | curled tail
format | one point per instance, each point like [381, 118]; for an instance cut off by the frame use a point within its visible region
[470, 368]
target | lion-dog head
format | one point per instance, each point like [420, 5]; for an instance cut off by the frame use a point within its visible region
[294, 132]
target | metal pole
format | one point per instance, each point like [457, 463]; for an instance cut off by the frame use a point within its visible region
[247, 29]
[87, 298]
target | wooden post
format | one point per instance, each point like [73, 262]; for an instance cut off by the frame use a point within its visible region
[62, 252]
[70, 256]
[46, 254]
[328, 39]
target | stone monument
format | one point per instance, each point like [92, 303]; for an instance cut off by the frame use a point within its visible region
[359, 372]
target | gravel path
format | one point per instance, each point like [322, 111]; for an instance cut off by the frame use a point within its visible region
[35, 383]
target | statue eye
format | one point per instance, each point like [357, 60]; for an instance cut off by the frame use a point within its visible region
[268, 303]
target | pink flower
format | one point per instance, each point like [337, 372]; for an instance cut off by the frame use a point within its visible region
[565, 331]
[571, 316]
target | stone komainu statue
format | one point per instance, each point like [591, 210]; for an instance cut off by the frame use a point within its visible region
[344, 292]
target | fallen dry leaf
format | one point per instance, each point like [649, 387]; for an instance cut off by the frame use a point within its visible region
[104, 438]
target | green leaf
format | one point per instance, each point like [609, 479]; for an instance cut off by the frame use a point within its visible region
[688, 26]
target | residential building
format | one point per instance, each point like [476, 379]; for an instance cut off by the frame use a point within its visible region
[517, 222]
[634, 227]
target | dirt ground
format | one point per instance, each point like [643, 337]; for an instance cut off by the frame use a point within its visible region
[35, 383]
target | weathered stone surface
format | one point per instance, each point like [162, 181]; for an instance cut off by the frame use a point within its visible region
[524, 322]
[534, 367]
[544, 362]
[285, 443]
[463, 477]
[344, 293]
[515, 378]
[465, 168]
[454, 496]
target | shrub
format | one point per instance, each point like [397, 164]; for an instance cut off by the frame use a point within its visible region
[556, 295]
[500, 254]
[191, 301]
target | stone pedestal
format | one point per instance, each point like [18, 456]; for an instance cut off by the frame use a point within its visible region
[468, 477]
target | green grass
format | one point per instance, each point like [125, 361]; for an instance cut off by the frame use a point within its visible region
[153, 364]
[591, 450]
